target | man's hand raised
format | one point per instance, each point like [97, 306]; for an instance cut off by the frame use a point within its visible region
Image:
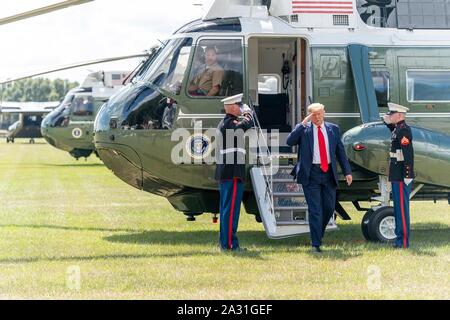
[306, 120]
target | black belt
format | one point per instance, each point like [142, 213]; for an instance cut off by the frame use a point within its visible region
[318, 165]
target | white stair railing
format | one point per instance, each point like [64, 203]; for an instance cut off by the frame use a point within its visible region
[263, 153]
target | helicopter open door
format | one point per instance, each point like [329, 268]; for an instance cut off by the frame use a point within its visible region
[272, 79]
[363, 79]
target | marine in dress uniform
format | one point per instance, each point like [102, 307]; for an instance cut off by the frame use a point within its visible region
[230, 169]
[401, 170]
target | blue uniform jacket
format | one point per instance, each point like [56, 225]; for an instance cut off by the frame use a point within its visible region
[303, 137]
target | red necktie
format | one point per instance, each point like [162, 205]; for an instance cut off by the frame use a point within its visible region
[322, 150]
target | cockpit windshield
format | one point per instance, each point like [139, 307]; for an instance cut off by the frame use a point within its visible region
[168, 69]
[153, 54]
[143, 105]
[60, 116]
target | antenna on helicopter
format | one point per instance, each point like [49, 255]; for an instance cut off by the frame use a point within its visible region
[162, 43]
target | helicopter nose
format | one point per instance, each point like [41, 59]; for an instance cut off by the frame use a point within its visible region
[45, 131]
[45, 123]
[44, 126]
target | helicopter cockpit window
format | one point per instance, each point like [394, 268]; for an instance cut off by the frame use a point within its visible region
[217, 69]
[32, 120]
[140, 71]
[381, 84]
[60, 116]
[170, 71]
[151, 109]
[83, 106]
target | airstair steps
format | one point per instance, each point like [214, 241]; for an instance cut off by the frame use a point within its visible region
[303, 208]
[288, 194]
[283, 180]
[281, 202]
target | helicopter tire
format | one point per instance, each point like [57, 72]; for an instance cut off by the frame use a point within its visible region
[12, 140]
[365, 224]
[381, 225]
[258, 218]
[7, 140]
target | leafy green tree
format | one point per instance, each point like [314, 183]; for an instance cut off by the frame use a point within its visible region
[38, 89]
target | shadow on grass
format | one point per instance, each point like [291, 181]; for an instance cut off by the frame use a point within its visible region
[78, 164]
[254, 239]
[106, 257]
[68, 228]
[341, 245]
[345, 244]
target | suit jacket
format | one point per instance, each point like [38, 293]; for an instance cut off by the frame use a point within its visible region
[304, 138]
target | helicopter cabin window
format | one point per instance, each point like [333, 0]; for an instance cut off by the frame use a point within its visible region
[83, 106]
[269, 84]
[169, 75]
[381, 81]
[428, 85]
[217, 69]
[32, 120]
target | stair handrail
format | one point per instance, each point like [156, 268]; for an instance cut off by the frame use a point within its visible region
[267, 177]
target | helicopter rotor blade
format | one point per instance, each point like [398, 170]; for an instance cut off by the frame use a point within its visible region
[72, 66]
[43, 10]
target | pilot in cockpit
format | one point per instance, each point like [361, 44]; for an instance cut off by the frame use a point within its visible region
[209, 78]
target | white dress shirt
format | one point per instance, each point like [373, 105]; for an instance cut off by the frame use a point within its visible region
[316, 155]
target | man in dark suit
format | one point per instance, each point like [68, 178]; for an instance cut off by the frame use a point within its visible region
[316, 169]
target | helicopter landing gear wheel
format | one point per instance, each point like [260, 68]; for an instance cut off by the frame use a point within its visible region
[7, 140]
[258, 218]
[365, 224]
[31, 141]
[381, 225]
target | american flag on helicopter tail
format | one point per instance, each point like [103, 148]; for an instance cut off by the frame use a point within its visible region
[327, 6]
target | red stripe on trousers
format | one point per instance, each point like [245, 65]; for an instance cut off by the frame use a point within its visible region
[403, 214]
[230, 231]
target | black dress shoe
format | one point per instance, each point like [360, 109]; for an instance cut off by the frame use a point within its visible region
[316, 250]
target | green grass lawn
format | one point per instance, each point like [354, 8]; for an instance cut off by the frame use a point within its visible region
[60, 217]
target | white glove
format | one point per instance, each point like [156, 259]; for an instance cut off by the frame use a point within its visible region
[387, 119]
[246, 109]
[407, 181]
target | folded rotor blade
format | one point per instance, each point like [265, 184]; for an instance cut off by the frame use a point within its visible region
[71, 66]
[43, 10]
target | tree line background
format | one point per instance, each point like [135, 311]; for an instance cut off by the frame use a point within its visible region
[38, 89]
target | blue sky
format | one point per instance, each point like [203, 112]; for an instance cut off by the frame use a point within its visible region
[102, 28]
